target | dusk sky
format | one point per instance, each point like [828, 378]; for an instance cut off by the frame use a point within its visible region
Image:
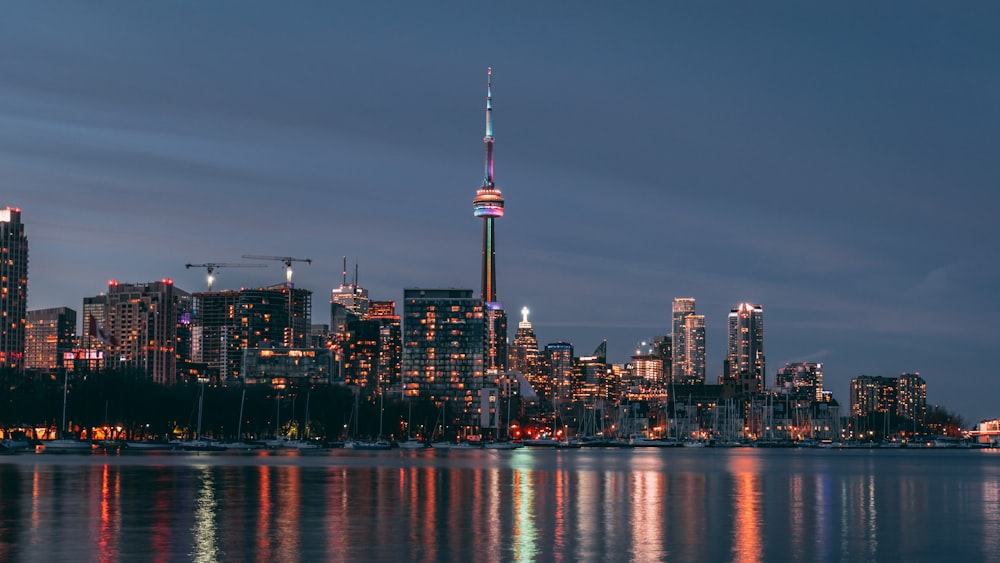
[835, 163]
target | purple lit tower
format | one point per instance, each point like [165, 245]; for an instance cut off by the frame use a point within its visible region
[489, 205]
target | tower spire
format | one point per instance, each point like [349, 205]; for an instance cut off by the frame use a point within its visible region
[488, 139]
[488, 203]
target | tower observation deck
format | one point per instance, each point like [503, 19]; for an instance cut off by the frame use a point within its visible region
[488, 204]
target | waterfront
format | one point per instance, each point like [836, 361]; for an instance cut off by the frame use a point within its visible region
[526, 505]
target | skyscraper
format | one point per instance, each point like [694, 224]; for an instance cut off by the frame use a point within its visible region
[745, 357]
[488, 205]
[523, 352]
[13, 288]
[688, 340]
[348, 302]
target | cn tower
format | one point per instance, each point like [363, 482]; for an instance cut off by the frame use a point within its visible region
[488, 204]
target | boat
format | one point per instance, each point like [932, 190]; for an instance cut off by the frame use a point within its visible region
[64, 445]
[413, 444]
[149, 445]
[504, 445]
[202, 446]
[367, 445]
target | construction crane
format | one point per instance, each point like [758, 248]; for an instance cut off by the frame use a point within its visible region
[212, 266]
[287, 260]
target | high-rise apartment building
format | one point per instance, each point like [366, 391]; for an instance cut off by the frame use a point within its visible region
[13, 288]
[226, 323]
[443, 336]
[801, 380]
[871, 394]
[911, 397]
[559, 366]
[745, 356]
[688, 340]
[372, 349]
[50, 336]
[135, 325]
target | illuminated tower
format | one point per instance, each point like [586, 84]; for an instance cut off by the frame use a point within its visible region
[489, 205]
[745, 358]
[688, 341]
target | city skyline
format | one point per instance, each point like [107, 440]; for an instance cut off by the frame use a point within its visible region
[833, 164]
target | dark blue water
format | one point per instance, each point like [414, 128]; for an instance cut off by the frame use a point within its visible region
[527, 505]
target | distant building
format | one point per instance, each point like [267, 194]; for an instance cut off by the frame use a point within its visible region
[911, 397]
[443, 346]
[50, 337]
[688, 340]
[226, 323]
[135, 327]
[801, 380]
[873, 394]
[372, 349]
[558, 365]
[13, 288]
[285, 367]
[347, 302]
[744, 364]
[647, 366]
[523, 354]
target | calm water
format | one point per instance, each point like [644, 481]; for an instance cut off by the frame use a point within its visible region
[526, 505]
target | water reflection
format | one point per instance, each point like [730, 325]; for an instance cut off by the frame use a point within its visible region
[510, 506]
[747, 507]
[203, 531]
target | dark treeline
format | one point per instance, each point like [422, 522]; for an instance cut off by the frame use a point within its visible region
[145, 409]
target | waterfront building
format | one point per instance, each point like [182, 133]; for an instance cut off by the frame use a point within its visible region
[744, 366]
[688, 341]
[134, 325]
[372, 349]
[13, 288]
[647, 367]
[801, 380]
[873, 394]
[559, 367]
[443, 351]
[593, 378]
[50, 335]
[911, 397]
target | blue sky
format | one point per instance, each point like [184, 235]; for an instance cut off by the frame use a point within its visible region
[834, 163]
